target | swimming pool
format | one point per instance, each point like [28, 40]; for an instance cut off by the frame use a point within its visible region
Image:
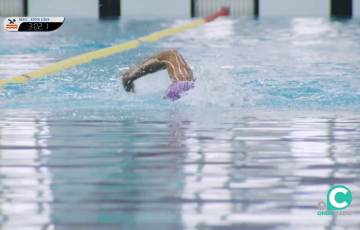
[271, 126]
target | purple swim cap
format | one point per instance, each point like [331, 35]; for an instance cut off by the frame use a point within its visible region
[176, 89]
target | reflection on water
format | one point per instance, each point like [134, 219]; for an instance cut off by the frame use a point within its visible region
[179, 170]
[25, 181]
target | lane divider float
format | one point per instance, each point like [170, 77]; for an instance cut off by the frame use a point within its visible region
[87, 57]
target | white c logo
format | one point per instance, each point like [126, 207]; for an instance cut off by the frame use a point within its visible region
[332, 198]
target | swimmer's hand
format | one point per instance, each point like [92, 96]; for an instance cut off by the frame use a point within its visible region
[128, 83]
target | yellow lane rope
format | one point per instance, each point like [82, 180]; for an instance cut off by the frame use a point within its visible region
[87, 57]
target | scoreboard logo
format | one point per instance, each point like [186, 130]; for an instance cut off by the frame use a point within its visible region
[11, 24]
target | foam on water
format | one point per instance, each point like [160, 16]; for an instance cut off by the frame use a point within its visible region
[304, 64]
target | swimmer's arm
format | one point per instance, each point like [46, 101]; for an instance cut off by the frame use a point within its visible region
[151, 64]
[171, 60]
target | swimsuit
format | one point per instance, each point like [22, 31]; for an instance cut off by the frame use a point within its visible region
[176, 89]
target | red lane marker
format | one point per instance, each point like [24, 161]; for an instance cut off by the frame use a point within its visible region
[26, 76]
[222, 12]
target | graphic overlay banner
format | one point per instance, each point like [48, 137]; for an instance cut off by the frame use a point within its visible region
[33, 24]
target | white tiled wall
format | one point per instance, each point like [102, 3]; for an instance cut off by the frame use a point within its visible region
[356, 8]
[10, 8]
[159, 8]
[172, 8]
[295, 8]
[64, 8]
[204, 8]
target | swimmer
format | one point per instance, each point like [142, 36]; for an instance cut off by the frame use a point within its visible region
[179, 72]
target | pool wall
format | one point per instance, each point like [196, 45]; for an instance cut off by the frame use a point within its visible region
[178, 8]
[64, 8]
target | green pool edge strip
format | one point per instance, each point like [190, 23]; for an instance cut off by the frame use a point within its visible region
[88, 57]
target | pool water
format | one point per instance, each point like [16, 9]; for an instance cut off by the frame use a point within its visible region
[272, 124]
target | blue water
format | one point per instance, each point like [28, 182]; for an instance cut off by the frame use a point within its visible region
[271, 126]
